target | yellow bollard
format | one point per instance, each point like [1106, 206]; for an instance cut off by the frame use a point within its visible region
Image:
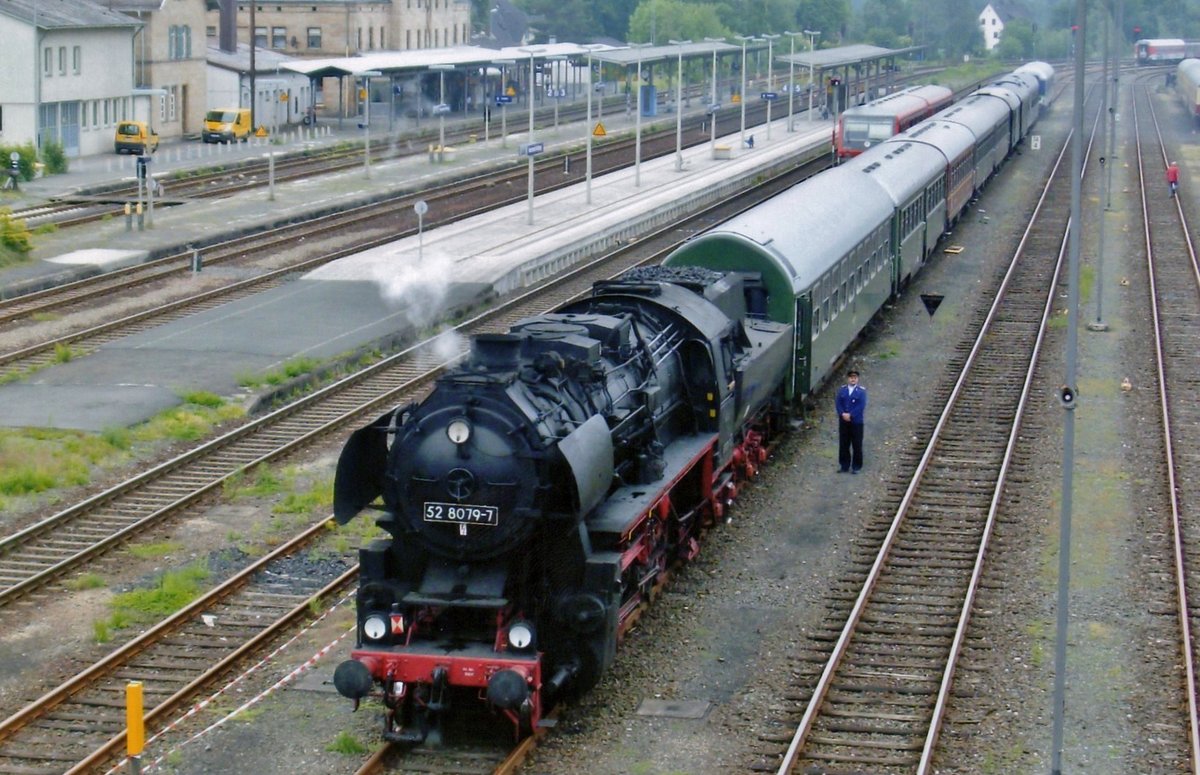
[135, 728]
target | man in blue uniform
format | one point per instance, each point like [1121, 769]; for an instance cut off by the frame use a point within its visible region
[851, 403]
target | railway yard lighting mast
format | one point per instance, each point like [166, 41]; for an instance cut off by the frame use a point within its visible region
[812, 45]
[679, 106]
[770, 75]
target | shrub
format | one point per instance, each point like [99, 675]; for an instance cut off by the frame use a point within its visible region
[54, 158]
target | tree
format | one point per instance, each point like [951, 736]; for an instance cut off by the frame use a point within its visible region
[830, 17]
[1017, 41]
[657, 21]
[564, 20]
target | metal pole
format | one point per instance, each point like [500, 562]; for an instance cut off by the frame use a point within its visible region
[770, 76]
[367, 128]
[742, 95]
[637, 144]
[591, 87]
[441, 112]
[679, 107]
[791, 79]
[1068, 467]
[1105, 106]
[812, 46]
[529, 94]
[713, 106]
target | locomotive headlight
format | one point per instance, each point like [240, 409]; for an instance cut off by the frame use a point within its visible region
[520, 635]
[375, 627]
[458, 431]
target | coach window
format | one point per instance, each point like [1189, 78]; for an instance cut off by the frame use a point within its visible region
[825, 314]
[816, 322]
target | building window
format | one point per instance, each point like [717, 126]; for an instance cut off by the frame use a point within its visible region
[279, 37]
[62, 60]
[210, 31]
[260, 37]
[359, 45]
[76, 60]
[381, 38]
[314, 37]
[48, 62]
[371, 38]
[172, 101]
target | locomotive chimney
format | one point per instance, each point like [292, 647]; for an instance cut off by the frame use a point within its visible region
[496, 352]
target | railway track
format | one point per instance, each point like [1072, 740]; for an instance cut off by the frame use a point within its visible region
[389, 220]
[455, 199]
[1174, 279]
[87, 708]
[874, 696]
[246, 174]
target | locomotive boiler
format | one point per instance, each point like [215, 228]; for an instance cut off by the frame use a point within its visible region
[541, 492]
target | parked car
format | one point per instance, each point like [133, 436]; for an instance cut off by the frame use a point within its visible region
[135, 137]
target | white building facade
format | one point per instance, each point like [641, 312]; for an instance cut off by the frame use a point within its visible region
[992, 27]
[68, 74]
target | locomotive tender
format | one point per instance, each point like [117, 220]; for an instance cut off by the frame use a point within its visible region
[540, 494]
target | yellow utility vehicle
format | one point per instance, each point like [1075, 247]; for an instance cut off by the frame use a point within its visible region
[135, 137]
[226, 125]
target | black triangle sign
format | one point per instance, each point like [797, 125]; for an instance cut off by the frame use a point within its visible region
[931, 301]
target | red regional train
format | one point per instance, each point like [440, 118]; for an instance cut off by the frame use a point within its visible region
[1164, 51]
[861, 127]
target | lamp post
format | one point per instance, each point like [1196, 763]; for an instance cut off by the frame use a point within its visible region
[591, 87]
[812, 45]
[503, 105]
[791, 78]
[770, 75]
[742, 96]
[366, 90]
[637, 122]
[532, 52]
[442, 107]
[712, 106]
[679, 106]
[556, 58]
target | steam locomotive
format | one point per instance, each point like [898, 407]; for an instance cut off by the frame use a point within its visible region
[541, 492]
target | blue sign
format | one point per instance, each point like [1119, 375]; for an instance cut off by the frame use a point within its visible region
[503, 99]
[532, 149]
[769, 96]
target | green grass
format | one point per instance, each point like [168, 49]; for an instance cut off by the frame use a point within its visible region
[64, 353]
[290, 370]
[151, 551]
[174, 590]
[37, 460]
[346, 743]
[87, 581]
[261, 481]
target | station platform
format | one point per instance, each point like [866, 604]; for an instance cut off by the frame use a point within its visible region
[380, 295]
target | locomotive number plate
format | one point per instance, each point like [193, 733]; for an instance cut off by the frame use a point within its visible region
[460, 514]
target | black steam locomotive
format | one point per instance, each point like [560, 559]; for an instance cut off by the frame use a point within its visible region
[540, 493]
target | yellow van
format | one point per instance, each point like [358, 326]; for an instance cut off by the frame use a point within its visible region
[226, 125]
[135, 137]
